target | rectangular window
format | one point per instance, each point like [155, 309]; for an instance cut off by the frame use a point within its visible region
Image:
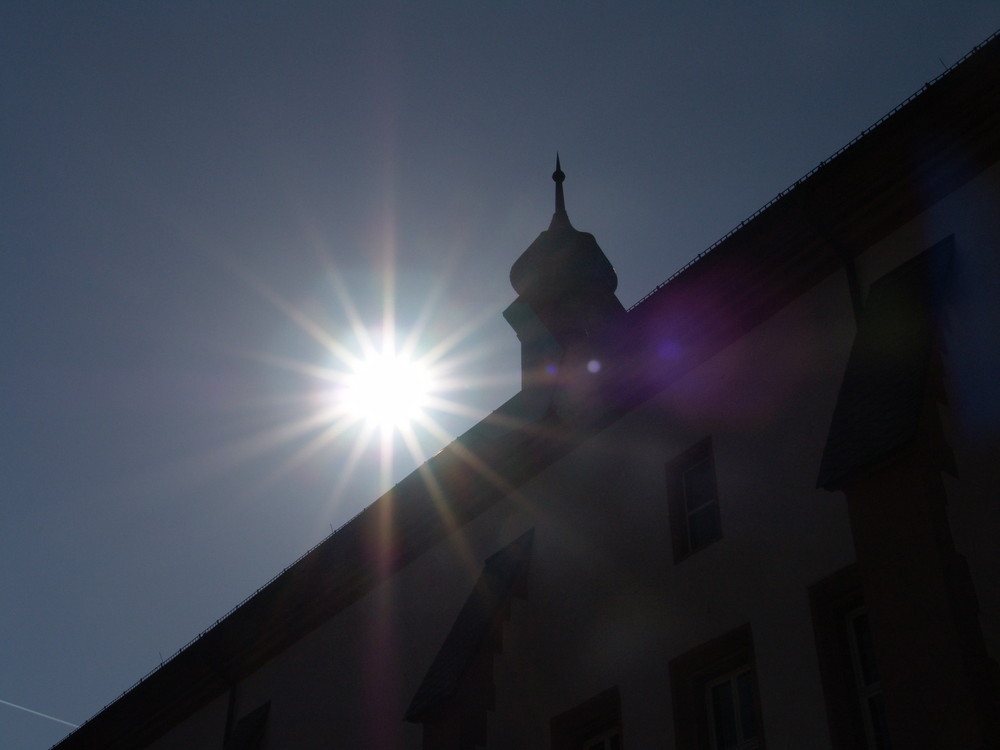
[610, 740]
[693, 500]
[855, 703]
[716, 705]
[732, 707]
[871, 699]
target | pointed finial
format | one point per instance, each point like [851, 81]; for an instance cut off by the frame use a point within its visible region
[559, 218]
[558, 178]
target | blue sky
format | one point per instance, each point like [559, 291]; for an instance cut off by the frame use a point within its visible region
[196, 198]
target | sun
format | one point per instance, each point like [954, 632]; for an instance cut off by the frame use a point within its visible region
[372, 398]
[388, 389]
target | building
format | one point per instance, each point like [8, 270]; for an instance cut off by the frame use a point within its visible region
[758, 508]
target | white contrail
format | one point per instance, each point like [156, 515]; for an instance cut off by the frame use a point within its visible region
[38, 713]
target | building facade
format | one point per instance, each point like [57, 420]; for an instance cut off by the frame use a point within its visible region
[758, 509]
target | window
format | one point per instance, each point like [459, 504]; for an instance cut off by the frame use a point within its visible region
[732, 710]
[855, 703]
[610, 740]
[248, 734]
[693, 500]
[458, 689]
[596, 724]
[871, 699]
[716, 705]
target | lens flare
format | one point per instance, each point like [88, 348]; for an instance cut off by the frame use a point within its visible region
[371, 400]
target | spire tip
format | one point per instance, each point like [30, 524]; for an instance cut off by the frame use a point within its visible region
[559, 218]
[558, 175]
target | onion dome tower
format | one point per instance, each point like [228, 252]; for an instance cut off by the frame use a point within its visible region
[566, 298]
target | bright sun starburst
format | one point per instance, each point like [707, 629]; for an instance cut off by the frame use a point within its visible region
[372, 392]
[389, 389]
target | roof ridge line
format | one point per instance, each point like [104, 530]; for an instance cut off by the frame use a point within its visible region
[915, 95]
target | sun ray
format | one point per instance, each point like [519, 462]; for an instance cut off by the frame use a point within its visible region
[319, 372]
[412, 443]
[258, 443]
[424, 316]
[350, 465]
[313, 447]
[304, 322]
[317, 424]
[386, 455]
[448, 406]
[475, 463]
[459, 541]
[350, 310]
[456, 337]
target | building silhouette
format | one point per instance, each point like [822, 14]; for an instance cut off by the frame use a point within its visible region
[759, 508]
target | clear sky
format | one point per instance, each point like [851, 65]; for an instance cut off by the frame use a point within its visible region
[203, 203]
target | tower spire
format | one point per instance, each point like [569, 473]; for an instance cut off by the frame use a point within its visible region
[560, 219]
[559, 177]
[566, 311]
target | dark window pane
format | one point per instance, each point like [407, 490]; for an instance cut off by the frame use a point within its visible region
[876, 705]
[866, 650]
[699, 485]
[724, 716]
[703, 527]
[748, 706]
[610, 741]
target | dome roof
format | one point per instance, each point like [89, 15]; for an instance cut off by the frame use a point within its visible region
[562, 258]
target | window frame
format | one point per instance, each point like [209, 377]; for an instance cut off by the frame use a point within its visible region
[867, 690]
[731, 679]
[604, 740]
[836, 601]
[677, 469]
[692, 675]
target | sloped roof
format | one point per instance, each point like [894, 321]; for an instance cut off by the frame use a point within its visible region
[923, 150]
[882, 395]
[249, 731]
[472, 627]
